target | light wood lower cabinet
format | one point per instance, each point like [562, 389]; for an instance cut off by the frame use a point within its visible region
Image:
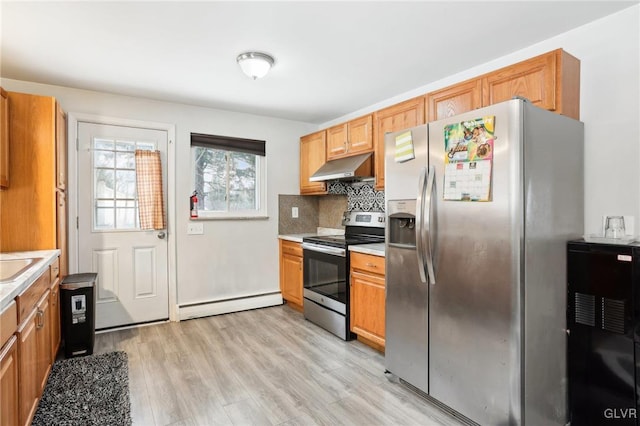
[368, 298]
[35, 341]
[9, 383]
[291, 273]
[43, 336]
[28, 368]
[54, 317]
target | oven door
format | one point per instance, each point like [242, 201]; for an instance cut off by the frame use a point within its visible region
[325, 276]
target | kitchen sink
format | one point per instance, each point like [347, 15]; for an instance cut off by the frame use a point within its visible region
[10, 269]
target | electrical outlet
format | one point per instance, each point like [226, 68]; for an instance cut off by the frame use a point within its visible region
[294, 212]
[195, 228]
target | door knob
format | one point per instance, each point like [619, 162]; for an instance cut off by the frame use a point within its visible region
[161, 235]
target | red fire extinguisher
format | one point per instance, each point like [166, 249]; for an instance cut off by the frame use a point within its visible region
[193, 202]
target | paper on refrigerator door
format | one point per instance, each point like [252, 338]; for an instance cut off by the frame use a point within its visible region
[404, 147]
[469, 159]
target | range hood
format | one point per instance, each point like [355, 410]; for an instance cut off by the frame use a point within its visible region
[357, 167]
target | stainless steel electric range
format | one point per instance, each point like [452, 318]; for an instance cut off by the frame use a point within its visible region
[326, 270]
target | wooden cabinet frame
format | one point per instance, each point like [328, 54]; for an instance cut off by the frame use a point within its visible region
[313, 155]
[291, 273]
[397, 117]
[367, 293]
[350, 138]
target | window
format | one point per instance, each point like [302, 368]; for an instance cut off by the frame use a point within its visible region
[229, 175]
[114, 184]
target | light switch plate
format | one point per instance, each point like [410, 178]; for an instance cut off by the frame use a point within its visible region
[294, 212]
[195, 228]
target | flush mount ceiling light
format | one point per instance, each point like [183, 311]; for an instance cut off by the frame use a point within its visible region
[255, 64]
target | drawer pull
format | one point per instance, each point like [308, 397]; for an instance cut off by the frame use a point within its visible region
[371, 265]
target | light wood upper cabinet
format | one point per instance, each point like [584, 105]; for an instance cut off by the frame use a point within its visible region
[550, 81]
[28, 209]
[291, 272]
[313, 154]
[454, 100]
[4, 139]
[337, 141]
[392, 119]
[351, 138]
[367, 315]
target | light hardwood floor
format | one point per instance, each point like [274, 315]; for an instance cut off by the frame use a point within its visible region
[263, 367]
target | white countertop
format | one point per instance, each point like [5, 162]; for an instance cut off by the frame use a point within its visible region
[8, 291]
[376, 249]
[296, 238]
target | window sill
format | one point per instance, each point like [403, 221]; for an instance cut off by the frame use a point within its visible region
[200, 218]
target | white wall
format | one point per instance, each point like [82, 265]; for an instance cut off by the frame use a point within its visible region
[233, 258]
[609, 53]
[237, 258]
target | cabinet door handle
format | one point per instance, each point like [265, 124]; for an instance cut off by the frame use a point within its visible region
[40, 317]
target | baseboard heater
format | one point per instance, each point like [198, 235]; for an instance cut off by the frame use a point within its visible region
[225, 306]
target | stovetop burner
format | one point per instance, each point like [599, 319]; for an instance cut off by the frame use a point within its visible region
[360, 228]
[344, 240]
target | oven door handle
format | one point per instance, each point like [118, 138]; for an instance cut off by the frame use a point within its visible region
[325, 249]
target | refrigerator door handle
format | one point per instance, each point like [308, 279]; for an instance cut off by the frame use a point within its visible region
[428, 226]
[420, 224]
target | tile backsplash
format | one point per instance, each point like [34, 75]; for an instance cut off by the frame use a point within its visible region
[326, 210]
[360, 196]
[307, 220]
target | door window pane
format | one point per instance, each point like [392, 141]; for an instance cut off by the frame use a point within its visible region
[125, 184]
[103, 158]
[126, 214]
[104, 217]
[104, 182]
[114, 183]
[125, 160]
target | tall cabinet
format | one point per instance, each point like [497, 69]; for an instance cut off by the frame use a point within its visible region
[33, 208]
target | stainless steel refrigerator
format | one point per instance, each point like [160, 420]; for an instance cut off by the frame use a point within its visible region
[480, 207]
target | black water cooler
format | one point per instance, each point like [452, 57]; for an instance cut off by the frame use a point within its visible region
[603, 313]
[77, 297]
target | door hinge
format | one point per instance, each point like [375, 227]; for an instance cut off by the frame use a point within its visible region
[77, 144]
[77, 222]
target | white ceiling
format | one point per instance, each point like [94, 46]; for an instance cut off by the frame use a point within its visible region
[332, 58]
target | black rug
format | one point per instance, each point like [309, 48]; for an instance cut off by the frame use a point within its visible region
[91, 390]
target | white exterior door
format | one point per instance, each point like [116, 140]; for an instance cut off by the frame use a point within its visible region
[132, 264]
